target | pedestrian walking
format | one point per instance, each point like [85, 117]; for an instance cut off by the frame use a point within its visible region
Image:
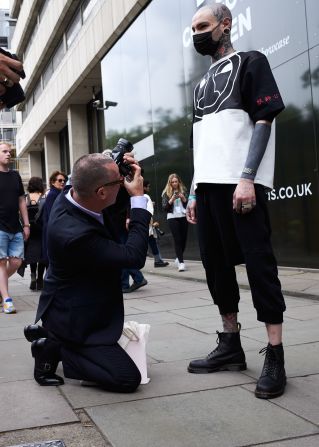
[153, 229]
[174, 201]
[12, 231]
[33, 247]
[57, 181]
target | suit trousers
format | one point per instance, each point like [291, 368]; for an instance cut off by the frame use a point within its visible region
[226, 239]
[110, 367]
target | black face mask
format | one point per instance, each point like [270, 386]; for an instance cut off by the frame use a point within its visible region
[204, 43]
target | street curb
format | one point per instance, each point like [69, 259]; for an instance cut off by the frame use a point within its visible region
[292, 293]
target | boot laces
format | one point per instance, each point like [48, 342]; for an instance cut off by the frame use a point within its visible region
[211, 354]
[271, 365]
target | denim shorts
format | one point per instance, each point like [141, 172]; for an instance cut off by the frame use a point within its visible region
[11, 245]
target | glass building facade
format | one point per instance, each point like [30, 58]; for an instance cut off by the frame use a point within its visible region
[151, 72]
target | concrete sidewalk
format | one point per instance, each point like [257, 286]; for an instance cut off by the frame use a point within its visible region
[176, 408]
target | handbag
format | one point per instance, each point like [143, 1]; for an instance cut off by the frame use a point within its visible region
[133, 340]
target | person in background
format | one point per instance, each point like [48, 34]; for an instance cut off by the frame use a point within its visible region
[152, 240]
[137, 276]
[234, 151]
[33, 247]
[12, 207]
[57, 181]
[119, 213]
[174, 201]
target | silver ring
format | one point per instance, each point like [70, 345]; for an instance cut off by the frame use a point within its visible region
[7, 82]
[246, 206]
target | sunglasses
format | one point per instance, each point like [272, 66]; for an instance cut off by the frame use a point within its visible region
[60, 180]
[116, 182]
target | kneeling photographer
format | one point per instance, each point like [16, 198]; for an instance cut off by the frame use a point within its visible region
[81, 305]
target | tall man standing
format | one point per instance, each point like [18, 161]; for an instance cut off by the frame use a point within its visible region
[11, 234]
[234, 105]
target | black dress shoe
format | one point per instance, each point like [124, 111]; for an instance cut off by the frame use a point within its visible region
[161, 263]
[34, 332]
[135, 286]
[33, 284]
[46, 359]
[39, 284]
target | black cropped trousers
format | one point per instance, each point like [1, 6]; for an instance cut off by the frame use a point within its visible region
[227, 239]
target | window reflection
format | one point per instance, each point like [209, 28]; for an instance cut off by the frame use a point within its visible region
[87, 8]
[73, 29]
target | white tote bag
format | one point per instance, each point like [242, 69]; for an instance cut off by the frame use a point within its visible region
[133, 340]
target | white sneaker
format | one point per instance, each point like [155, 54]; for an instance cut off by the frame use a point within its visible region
[8, 307]
[176, 262]
[181, 267]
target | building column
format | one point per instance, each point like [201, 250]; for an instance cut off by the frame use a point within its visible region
[52, 154]
[35, 167]
[78, 132]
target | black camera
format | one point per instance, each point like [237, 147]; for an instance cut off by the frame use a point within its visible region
[13, 95]
[118, 152]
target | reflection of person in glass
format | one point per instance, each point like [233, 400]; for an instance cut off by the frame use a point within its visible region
[234, 106]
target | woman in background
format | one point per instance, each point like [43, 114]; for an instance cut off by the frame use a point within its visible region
[57, 181]
[174, 201]
[33, 247]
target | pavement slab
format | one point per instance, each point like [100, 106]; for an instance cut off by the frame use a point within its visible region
[25, 404]
[176, 408]
[301, 397]
[305, 441]
[15, 360]
[166, 379]
[214, 418]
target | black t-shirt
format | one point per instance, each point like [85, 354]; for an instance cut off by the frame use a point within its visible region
[11, 188]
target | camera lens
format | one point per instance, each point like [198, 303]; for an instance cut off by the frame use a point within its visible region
[124, 144]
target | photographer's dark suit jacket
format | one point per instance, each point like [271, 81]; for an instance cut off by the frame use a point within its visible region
[82, 301]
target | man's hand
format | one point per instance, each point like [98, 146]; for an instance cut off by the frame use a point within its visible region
[244, 198]
[191, 211]
[134, 184]
[7, 65]
[8, 77]
[26, 233]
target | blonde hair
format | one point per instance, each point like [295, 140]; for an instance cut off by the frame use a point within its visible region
[168, 190]
[4, 143]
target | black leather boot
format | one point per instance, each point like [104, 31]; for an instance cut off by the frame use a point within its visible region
[46, 356]
[228, 356]
[34, 332]
[33, 283]
[273, 380]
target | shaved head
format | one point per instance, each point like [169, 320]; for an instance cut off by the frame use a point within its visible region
[218, 10]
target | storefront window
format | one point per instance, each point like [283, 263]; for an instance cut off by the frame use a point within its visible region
[152, 70]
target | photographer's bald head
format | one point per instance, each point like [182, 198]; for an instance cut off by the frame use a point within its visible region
[96, 181]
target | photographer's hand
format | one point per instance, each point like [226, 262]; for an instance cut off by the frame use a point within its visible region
[134, 186]
[7, 65]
